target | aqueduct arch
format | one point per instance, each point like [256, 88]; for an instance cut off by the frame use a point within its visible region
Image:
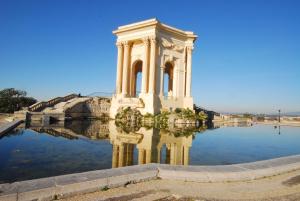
[153, 49]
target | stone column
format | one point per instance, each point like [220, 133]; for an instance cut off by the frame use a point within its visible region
[119, 68]
[145, 66]
[161, 91]
[125, 69]
[152, 65]
[175, 80]
[188, 72]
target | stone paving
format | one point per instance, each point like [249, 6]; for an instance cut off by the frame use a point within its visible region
[266, 189]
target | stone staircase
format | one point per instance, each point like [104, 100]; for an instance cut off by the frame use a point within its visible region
[63, 106]
[39, 106]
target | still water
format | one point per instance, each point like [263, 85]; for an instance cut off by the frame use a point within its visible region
[41, 151]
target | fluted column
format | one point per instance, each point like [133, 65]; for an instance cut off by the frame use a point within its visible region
[189, 71]
[161, 91]
[145, 66]
[119, 68]
[125, 69]
[152, 65]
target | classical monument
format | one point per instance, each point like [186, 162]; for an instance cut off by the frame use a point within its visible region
[162, 56]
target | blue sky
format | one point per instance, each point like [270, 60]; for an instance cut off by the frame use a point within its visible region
[246, 59]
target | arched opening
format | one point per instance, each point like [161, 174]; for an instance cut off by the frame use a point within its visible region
[168, 79]
[137, 77]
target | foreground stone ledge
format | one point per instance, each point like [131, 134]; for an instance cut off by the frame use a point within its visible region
[227, 173]
[69, 185]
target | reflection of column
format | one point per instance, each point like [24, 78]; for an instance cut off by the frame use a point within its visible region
[115, 156]
[173, 154]
[141, 157]
[119, 68]
[168, 153]
[161, 91]
[145, 66]
[125, 69]
[148, 156]
[128, 154]
[189, 72]
[152, 66]
[121, 155]
[158, 155]
[186, 155]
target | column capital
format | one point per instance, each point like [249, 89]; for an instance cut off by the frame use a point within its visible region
[126, 43]
[153, 39]
[189, 48]
[119, 44]
[146, 41]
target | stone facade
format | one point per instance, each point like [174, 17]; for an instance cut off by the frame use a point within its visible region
[156, 51]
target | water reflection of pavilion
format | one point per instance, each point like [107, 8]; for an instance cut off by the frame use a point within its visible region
[149, 145]
[153, 146]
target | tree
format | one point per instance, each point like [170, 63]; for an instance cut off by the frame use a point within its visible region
[247, 115]
[12, 100]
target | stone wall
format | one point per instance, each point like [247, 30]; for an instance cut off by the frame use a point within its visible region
[94, 129]
[95, 107]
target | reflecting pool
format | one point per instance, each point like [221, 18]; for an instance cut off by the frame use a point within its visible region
[37, 151]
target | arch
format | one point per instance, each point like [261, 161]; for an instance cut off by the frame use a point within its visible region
[137, 69]
[168, 77]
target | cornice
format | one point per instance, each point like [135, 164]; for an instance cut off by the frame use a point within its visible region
[156, 24]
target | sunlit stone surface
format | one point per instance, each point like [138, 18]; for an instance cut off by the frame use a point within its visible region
[157, 51]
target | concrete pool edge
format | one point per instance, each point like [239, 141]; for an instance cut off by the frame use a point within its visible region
[73, 184]
[9, 126]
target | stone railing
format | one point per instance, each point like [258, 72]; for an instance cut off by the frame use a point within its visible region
[43, 104]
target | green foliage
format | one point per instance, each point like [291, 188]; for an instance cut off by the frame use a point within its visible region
[162, 118]
[105, 188]
[12, 100]
[128, 119]
[247, 115]
[178, 110]
[148, 115]
[202, 116]
[260, 117]
[188, 114]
